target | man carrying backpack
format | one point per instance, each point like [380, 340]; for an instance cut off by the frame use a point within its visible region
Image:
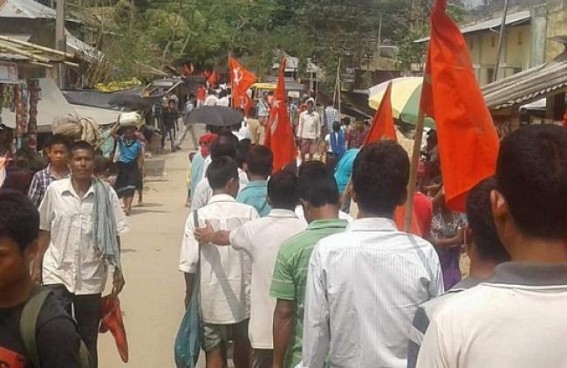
[35, 331]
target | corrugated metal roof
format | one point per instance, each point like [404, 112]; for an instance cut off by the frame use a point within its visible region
[527, 86]
[28, 9]
[82, 49]
[511, 19]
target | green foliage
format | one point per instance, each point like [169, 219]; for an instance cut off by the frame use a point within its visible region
[204, 32]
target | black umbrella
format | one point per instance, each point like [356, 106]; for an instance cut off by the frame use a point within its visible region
[133, 98]
[216, 116]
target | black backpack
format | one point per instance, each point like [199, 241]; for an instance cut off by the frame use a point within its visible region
[28, 326]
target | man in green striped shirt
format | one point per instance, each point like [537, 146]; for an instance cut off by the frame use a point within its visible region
[319, 197]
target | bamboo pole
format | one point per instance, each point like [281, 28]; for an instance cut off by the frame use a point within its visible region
[413, 169]
[28, 54]
[41, 64]
[37, 47]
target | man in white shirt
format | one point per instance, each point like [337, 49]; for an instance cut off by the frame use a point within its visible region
[261, 240]
[225, 271]
[309, 130]
[223, 100]
[364, 285]
[517, 318]
[71, 259]
[485, 252]
[224, 145]
[211, 99]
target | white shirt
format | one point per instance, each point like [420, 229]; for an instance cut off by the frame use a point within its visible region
[72, 258]
[309, 125]
[301, 215]
[517, 319]
[244, 132]
[225, 272]
[211, 100]
[261, 240]
[363, 288]
[223, 101]
[204, 192]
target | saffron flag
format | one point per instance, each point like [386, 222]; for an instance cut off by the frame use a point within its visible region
[241, 80]
[383, 121]
[279, 135]
[213, 79]
[468, 142]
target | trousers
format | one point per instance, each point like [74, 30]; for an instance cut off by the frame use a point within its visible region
[86, 311]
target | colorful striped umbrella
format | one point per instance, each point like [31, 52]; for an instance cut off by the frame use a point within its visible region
[406, 94]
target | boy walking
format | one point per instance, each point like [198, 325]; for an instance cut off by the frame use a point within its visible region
[258, 167]
[58, 147]
[319, 197]
[261, 240]
[517, 318]
[224, 271]
[56, 337]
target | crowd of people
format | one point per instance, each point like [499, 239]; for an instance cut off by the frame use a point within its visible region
[282, 272]
[326, 291]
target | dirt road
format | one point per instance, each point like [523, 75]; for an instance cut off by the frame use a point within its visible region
[152, 300]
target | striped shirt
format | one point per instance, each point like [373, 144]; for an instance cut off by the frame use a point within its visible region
[363, 289]
[39, 184]
[290, 276]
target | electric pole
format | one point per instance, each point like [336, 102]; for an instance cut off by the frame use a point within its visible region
[60, 39]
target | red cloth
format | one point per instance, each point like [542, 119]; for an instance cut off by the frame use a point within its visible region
[468, 142]
[241, 80]
[111, 320]
[421, 218]
[201, 93]
[383, 122]
[279, 134]
[213, 79]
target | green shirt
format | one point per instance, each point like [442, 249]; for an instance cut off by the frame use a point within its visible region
[290, 275]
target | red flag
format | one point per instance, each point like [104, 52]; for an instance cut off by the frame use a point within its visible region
[241, 80]
[279, 136]
[468, 142]
[213, 79]
[111, 320]
[383, 121]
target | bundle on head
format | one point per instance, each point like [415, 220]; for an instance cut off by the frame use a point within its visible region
[78, 129]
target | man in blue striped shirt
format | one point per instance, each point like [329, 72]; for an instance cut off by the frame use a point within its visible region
[364, 285]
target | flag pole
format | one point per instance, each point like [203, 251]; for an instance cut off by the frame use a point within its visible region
[339, 87]
[413, 168]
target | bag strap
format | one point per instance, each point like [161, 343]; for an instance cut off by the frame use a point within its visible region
[421, 256]
[28, 323]
[28, 329]
[197, 281]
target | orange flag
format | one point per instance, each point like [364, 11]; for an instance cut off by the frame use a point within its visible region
[213, 79]
[279, 136]
[241, 80]
[468, 142]
[383, 121]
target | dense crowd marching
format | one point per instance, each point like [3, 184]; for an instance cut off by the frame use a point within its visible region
[282, 271]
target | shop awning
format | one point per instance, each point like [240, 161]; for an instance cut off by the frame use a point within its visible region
[52, 106]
